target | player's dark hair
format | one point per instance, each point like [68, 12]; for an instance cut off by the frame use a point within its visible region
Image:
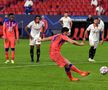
[64, 29]
[37, 16]
[10, 14]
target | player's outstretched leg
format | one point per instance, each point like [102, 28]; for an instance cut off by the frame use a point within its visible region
[68, 72]
[82, 73]
[7, 55]
[32, 53]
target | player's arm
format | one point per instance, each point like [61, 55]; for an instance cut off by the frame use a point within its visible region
[42, 31]
[46, 25]
[4, 31]
[26, 29]
[45, 39]
[102, 41]
[102, 30]
[75, 42]
[17, 32]
[61, 21]
[71, 23]
[85, 35]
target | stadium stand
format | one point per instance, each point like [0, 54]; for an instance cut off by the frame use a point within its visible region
[55, 7]
[81, 33]
[49, 7]
[75, 36]
[106, 38]
[1, 31]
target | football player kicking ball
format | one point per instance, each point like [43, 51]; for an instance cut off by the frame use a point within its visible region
[56, 43]
[11, 35]
[95, 30]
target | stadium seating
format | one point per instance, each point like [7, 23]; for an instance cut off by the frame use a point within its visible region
[81, 33]
[1, 31]
[75, 36]
[106, 38]
[55, 7]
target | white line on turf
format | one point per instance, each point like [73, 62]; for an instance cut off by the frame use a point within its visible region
[45, 64]
[27, 65]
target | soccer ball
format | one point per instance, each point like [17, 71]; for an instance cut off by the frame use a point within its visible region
[104, 70]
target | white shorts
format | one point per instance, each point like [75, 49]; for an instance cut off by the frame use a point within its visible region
[93, 43]
[35, 41]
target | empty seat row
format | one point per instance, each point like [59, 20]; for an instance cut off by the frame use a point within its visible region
[74, 7]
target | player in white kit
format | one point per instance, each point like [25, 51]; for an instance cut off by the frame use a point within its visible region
[36, 25]
[95, 30]
[66, 21]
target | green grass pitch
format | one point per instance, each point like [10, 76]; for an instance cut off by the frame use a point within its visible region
[24, 75]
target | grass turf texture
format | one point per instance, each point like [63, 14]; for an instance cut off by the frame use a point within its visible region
[24, 75]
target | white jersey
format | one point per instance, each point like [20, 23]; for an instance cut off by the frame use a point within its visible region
[94, 32]
[66, 22]
[99, 10]
[35, 28]
[28, 3]
[94, 2]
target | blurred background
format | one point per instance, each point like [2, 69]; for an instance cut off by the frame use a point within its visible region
[78, 10]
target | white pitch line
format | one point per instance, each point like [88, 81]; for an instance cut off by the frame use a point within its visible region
[47, 64]
[21, 66]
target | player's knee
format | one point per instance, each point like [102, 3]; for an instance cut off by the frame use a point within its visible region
[13, 49]
[31, 50]
[38, 46]
[92, 47]
[70, 65]
[67, 69]
[66, 66]
[6, 49]
[31, 47]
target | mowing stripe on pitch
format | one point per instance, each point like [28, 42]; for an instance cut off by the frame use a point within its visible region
[46, 64]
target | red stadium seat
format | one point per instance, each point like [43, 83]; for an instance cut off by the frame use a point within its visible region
[1, 30]
[106, 38]
[75, 36]
[87, 35]
[81, 33]
[74, 7]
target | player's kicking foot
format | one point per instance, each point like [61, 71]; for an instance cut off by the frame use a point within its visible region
[74, 79]
[91, 60]
[7, 61]
[84, 74]
[12, 61]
